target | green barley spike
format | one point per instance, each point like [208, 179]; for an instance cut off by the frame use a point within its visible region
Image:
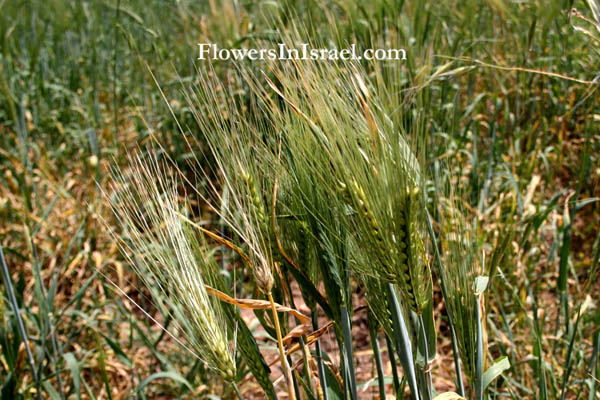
[363, 208]
[377, 303]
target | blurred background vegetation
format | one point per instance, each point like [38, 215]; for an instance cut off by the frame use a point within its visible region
[79, 90]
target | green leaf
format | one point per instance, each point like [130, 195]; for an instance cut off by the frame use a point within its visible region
[349, 359]
[334, 391]
[102, 364]
[52, 393]
[403, 343]
[73, 366]
[251, 354]
[113, 345]
[495, 370]
[173, 375]
[331, 276]
[126, 11]
[307, 389]
[77, 296]
[309, 289]
[429, 327]
[117, 349]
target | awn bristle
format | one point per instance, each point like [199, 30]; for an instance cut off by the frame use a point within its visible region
[414, 279]
[261, 268]
[460, 268]
[402, 263]
[349, 140]
[168, 257]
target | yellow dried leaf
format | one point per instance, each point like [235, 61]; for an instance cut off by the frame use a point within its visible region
[253, 304]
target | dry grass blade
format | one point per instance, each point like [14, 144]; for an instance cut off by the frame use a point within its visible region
[522, 69]
[252, 304]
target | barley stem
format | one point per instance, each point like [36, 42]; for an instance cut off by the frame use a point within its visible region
[307, 369]
[305, 352]
[237, 391]
[593, 365]
[479, 355]
[284, 364]
[372, 322]
[349, 364]
[396, 380]
[459, 376]
[320, 364]
[426, 356]
[403, 343]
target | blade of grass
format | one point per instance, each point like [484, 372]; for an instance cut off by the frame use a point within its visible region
[320, 364]
[427, 371]
[403, 344]
[22, 332]
[75, 369]
[372, 322]
[569, 214]
[102, 364]
[348, 352]
[593, 370]
[46, 306]
[479, 286]
[569, 358]
[395, 379]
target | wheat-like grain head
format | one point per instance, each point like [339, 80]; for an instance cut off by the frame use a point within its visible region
[168, 257]
[460, 268]
[358, 156]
